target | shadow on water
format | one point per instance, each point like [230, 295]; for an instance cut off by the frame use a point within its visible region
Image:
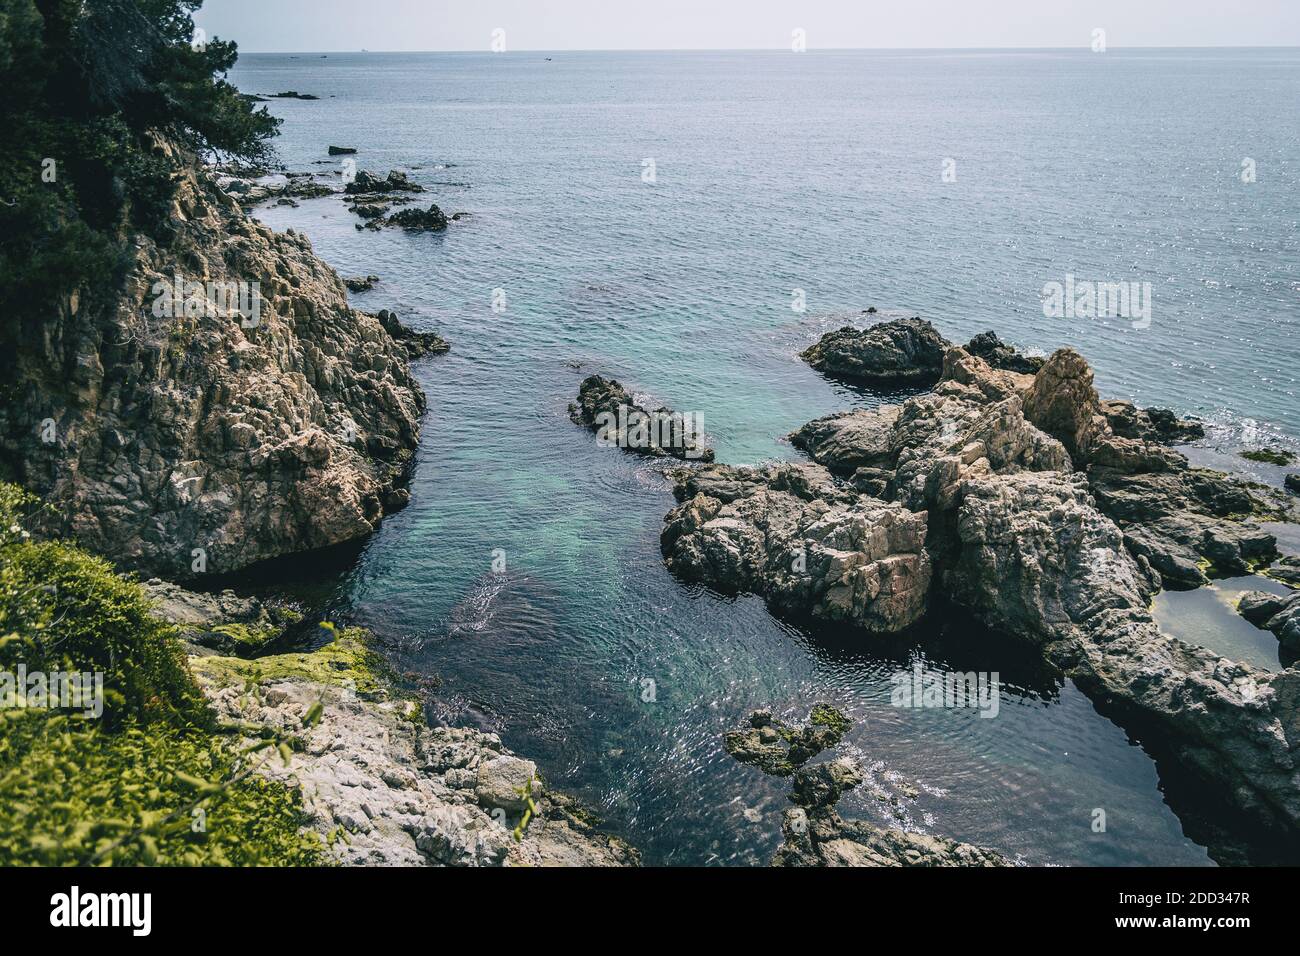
[947, 640]
[1232, 836]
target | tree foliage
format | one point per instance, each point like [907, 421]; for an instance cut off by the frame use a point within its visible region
[86, 88]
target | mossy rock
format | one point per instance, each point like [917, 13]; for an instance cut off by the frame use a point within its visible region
[1268, 456]
[347, 661]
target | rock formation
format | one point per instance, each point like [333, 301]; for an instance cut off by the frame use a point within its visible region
[220, 623]
[1043, 513]
[607, 408]
[1279, 614]
[813, 550]
[815, 835]
[195, 425]
[417, 344]
[776, 747]
[900, 353]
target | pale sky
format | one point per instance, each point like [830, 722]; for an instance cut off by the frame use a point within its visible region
[410, 25]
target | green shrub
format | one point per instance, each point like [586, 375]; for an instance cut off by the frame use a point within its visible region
[69, 792]
[151, 782]
[66, 610]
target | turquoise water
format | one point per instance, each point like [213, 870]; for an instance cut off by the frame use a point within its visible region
[775, 172]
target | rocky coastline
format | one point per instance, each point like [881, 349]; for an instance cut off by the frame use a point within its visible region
[379, 786]
[199, 439]
[1011, 491]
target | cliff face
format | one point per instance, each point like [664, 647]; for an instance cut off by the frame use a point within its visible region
[181, 437]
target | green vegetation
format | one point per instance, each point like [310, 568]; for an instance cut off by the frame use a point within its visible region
[347, 661]
[153, 781]
[1269, 456]
[832, 718]
[94, 92]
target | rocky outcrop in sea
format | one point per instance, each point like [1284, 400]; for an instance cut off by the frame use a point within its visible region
[610, 410]
[814, 833]
[1014, 498]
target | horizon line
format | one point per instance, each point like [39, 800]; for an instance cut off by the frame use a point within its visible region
[1082, 48]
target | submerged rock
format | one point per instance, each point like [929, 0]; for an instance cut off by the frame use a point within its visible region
[1269, 456]
[901, 353]
[780, 749]
[607, 408]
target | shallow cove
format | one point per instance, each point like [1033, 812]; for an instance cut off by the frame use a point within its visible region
[683, 290]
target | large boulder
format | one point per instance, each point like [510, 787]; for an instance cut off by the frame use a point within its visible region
[810, 549]
[899, 353]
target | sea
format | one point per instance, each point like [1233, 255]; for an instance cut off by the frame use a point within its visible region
[687, 222]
